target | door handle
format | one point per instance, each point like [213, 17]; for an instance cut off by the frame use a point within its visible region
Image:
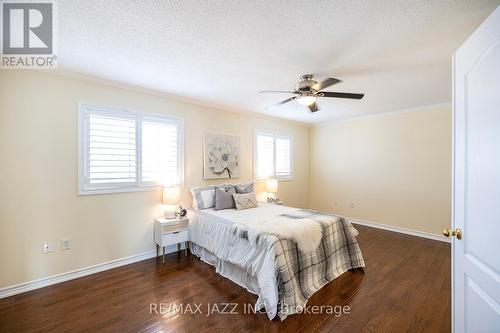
[451, 233]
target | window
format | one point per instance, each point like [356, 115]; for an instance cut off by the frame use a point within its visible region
[273, 156]
[126, 151]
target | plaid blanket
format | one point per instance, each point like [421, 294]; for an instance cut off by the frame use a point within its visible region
[300, 275]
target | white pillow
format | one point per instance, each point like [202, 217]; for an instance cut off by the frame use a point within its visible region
[204, 196]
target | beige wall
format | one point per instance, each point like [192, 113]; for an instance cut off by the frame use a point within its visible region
[394, 168]
[38, 173]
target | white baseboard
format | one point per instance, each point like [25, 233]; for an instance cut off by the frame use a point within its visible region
[54, 279]
[406, 231]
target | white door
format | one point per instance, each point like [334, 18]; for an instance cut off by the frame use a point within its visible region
[476, 194]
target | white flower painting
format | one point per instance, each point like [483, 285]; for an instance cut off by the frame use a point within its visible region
[222, 156]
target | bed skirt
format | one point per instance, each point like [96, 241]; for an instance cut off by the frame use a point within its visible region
[229, 271]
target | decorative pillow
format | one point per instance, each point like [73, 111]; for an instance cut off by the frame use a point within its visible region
[224, 197]
[226, 187]
[244, 201]
[203, 197]
[244, 188]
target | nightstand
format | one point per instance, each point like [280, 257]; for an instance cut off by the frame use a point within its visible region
[169, 232]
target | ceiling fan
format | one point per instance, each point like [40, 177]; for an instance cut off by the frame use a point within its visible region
[308, 91]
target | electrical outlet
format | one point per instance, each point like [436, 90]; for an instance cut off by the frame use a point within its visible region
[351, 205]
[335, 203]
[47, 247]
[66, 244]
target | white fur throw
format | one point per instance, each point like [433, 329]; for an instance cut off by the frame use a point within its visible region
[307, 233]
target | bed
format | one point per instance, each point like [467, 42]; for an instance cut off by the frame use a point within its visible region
[274, 268]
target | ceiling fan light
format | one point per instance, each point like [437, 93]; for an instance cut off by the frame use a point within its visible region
[306, 100]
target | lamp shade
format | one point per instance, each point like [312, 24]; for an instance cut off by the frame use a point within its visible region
[170, 196]
[272, 185]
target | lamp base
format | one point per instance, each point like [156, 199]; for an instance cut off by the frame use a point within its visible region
[170, 212]
[273, 199]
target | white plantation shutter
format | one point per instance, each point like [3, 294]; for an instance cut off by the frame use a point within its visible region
[273, 156]
[123, 151]
[265, 155]
[283, 157]
[159, 152]
[111, 150]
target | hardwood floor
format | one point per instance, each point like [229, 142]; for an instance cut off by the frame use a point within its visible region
[404, 288]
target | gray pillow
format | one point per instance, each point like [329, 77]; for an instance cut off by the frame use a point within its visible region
[224, 197]
[230, 188]
[244, 188]
[227, 188]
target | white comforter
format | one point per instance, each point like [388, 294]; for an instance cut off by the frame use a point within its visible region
[253, 267]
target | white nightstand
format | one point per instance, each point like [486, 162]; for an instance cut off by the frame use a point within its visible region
[169, 232]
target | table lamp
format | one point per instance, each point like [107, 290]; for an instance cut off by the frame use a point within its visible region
[170, 198]
[271, 189]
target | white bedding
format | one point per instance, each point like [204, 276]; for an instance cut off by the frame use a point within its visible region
[252, 267]
[233, 215]
[233, 257]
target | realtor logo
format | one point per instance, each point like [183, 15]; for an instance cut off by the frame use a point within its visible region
[28, 35]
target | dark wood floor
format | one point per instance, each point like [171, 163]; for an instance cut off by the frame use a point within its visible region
[405, 288]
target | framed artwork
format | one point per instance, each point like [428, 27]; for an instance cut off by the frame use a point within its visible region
[221, 156]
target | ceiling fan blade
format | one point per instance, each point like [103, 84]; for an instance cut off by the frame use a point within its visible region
[313, 107]
[276, 91]
[325, 84]
[281, 103]
[341, 95]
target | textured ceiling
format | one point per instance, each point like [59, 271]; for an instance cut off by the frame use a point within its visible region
[396, 52]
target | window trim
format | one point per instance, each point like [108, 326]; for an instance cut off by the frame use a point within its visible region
[139, 186]
[274, 135]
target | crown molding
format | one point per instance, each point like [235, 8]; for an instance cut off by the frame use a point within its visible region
[226, 108]
[170, 96]
[422, 108]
